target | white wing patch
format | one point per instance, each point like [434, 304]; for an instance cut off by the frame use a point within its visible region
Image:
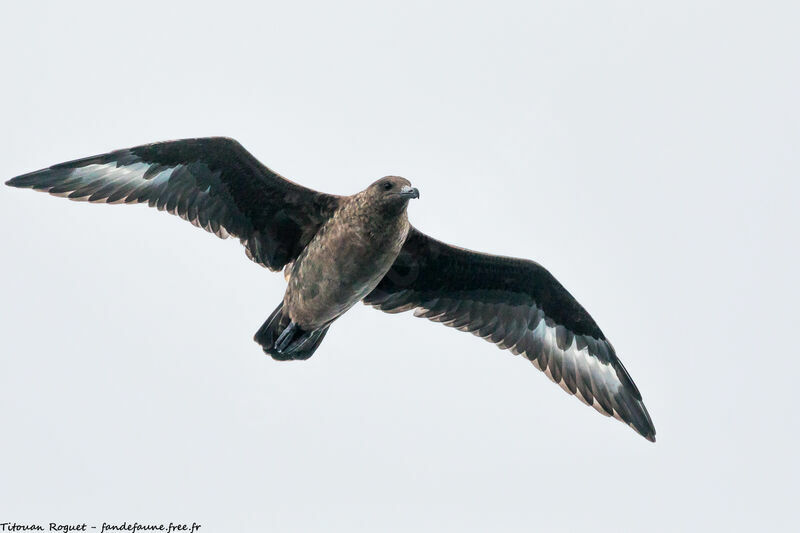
[113, 184]
[580, 361]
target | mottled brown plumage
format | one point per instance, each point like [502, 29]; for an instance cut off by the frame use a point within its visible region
[325, 280]
[339, 250]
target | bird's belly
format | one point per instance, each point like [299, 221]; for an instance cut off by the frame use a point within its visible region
[334, 274]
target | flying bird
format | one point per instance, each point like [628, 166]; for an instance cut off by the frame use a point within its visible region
[338, 250]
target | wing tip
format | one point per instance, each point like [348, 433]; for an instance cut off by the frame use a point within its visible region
[17, 182]
[649, 434]
[647, 431]
[32, 180]
[644, 427]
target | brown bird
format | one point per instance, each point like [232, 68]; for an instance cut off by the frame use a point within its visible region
[339, 250]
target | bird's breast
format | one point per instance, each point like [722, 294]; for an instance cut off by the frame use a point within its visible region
[341, 265]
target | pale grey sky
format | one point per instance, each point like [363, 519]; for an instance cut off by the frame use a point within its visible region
[645, 153]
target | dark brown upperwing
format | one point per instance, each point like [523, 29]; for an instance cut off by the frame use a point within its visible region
[212, 182]
[517, 305]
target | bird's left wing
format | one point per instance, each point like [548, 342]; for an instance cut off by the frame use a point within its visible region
[517, 305]
[212, 182]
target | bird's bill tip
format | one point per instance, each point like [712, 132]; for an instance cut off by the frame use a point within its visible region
[409, 192]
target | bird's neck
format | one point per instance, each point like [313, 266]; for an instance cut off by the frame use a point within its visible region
[379, 221]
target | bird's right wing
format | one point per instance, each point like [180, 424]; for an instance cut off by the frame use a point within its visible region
[519, 306]
[212, 182]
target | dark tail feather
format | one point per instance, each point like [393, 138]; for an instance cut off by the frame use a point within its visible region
[301, 344]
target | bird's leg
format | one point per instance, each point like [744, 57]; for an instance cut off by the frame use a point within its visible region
[286, 336]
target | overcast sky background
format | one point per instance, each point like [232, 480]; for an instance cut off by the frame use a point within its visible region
[646, 155]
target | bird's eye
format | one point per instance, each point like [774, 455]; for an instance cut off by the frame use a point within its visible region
[387, 186]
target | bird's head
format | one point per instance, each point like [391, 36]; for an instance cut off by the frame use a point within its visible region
[392, 192]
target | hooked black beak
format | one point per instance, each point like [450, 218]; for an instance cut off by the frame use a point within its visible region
[409, 192]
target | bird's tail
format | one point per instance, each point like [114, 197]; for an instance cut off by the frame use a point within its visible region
[284, 340]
